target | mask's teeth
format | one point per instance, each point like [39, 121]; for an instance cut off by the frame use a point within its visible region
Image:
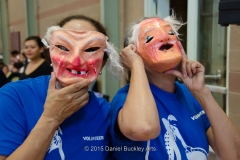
[74, 71]
[78, 72]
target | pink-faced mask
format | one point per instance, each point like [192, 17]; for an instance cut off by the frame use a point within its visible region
[157, 45]
[77, 54]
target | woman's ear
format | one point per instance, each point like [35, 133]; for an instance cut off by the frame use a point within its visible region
[105, 58]
[103, 64]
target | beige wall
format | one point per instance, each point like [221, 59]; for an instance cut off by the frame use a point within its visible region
[129, 12]
[48, 13]
[234, 75]
[17, 18]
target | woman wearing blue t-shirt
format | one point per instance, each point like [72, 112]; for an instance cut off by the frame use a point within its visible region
[55, 117]
[154, 116]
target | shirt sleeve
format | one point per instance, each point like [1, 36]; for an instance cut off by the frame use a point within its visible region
[205, 120]
[12, 128]
[204, 117]
[197, 107]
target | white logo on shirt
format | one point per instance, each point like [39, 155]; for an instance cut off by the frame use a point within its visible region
[170, 138]
[57, 143]
[198, 115]
[93, 138]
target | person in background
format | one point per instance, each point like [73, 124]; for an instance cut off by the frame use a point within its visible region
[24, 60]
[14, 58]
[37, 65]
[155, 116]
[13, 74]
[56, 117]
[4, 68]
[3, 79]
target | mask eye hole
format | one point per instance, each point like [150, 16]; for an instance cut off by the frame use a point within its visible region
[149, 38]
[62, 48]
[92, 49]
[171, 32]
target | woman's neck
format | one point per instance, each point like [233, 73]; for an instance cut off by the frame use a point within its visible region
[36, 60]
[165, 82]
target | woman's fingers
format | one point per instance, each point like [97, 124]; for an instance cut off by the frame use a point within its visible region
[194, 67]
[82, 100]
[184, 70]
[79, 93]
[188, 68]
[184, 59]
[128, 55]
[133, 47]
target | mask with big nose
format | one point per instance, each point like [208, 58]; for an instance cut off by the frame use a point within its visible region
[157, 45]
[77, 54]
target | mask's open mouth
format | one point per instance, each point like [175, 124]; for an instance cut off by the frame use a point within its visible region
[166, 47]
[77, 72]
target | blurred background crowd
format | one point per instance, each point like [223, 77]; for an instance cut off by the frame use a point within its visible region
[32, 61]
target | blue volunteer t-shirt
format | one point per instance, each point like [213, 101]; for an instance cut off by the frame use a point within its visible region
[21, 105]
[183, 128]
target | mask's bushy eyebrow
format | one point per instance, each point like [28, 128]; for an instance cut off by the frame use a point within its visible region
[61, 37]
[148, 29]
[92, 39]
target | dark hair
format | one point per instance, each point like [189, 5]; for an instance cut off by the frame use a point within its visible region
[18, 65]
[2, 64]
[15, 52]
[99, 27]
[46, 54]
[38, 41]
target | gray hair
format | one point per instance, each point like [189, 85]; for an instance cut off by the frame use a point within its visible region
[131, 35]
[113, 64]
